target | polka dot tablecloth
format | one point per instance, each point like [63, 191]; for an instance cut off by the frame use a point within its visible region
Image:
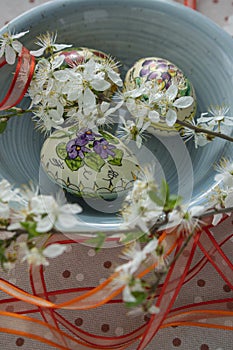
[113, 319]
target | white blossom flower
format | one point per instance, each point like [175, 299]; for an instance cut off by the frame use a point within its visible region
[4, 211]
[139, 310]
[185, 220]
[125, 277]
[168, 101]
[7, 192]
[49, 118]
[10, 46]
[149, 101]
[8, 266]
[94, 78]
[225, 170]
[48, 42]
[32, 256]
[217, 116]
[130, 130]
[51, 213]
[109, 67]
[139, 209]
[200, 139]
[136, 255]
[37, 257]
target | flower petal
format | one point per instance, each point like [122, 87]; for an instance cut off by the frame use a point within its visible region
[54, 250]
[100, 84]
[19, 35]
[171, 117]
[59, 47]
[38, 53]
[10, 54]
[183, 102]
[45, 224]
[172, 92]
[17, 46]
[89, 99]
[71, 208]
[115, 77]
[154, 116]
[66, 221]
[127, 295]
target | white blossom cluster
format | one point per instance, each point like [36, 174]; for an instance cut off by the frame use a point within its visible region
[143, 210]
[149, 101]
[26, 212]
[136, 258]
[83, 93]
[78, 92]
[216, 119]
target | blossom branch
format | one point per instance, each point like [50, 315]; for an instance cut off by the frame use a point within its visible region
[197, 129]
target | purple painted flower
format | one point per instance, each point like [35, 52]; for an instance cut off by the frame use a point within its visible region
[153, 75]
[103, 148]
[75, 148]
[147, 62]
[85, 135]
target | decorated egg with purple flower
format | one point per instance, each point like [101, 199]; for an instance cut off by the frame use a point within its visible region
[89, 163]
[170, 91]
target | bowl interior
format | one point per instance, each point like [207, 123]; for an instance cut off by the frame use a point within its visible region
[130, 30]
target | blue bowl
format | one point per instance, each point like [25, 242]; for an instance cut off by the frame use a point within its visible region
[130, 30]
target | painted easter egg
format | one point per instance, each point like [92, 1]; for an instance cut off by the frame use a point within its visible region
[77, 56]
[89, 164]
[164, 73]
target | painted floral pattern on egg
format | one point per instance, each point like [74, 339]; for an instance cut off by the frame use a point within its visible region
[165, 74]
[88, 163]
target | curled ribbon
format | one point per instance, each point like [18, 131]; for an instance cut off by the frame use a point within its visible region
[21, 80]
[88, 298]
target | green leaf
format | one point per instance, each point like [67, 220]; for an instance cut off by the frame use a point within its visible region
[94, 161]
[156, 199]
[73, 129]
[110, 138]
[117, 160]
[186, 91]
[97, 241]
[172, 202]
[139, 296]
[138, 81]
[165, 192]
[3, 126]
[60, 135]
[132, 236]
[74, 164]
[30, 227]
[61, 150]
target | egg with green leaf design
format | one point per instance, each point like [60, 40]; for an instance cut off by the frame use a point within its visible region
[88, 163]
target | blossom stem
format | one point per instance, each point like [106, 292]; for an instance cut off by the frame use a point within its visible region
[217, 211]
[203, 130]
[15, 112]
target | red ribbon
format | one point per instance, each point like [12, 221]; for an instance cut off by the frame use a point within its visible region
[21, 80]
[177, 272]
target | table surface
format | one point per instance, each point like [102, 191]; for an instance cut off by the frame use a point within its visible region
[207, 285]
